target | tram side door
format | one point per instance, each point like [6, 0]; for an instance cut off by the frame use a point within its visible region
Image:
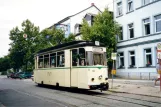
[73, 68]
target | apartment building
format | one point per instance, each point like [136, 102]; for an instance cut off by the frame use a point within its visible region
[72, 23]
[140, 22]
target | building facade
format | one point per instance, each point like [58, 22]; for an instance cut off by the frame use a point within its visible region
[72, 24]
[140, 22]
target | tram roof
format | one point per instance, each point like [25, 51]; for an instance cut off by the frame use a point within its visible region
[73, 44]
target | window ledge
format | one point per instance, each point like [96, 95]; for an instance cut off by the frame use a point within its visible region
[147, 4]
[132, 67]
[148, 67]
[121, 68]
[119, 16]
[130, 12]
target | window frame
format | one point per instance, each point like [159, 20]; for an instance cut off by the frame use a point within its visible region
[146, 23]
[143, 2]
[55, 59]
[121, 34]
[119, 60]
[145, 54]
[130, 64]
[59, 56]
[129, 31]
[42, 61]
[119, 7]
[128, 1]
[155, 23]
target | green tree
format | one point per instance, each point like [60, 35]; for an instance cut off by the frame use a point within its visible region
[104, 29]
[70, 38]
[4, 64]
[54, 37]
[22, 50]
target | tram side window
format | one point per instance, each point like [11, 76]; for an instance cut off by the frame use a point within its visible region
[74, 57]
[89, 58]
[60, 59]
[41, 62]
[53, 60]
[82, 57]
[46, 61]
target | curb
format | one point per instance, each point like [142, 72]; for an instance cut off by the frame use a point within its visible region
[133, 93]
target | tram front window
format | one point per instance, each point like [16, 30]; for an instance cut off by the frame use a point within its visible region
[98, 59]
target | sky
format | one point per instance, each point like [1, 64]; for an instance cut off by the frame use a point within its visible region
[42, 13]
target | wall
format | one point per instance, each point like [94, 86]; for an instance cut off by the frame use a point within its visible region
[140, 42]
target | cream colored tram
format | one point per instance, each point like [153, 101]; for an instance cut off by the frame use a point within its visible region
[79, 64]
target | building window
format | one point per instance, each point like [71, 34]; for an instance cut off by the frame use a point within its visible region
[146, 2]
[158, 23]
[148, 57]
[131, 30]
[130, 5]
[146, 24]
[121, 60]
[121, 33]
[78, 28]
[119, 8]
[132, 58]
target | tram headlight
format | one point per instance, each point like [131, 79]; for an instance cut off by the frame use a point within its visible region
[92, 79]
[100, 77]
[106, 79]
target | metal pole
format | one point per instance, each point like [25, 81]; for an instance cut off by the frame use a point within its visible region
[112, 73]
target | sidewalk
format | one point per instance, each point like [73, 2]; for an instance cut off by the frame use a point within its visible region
[141, 87]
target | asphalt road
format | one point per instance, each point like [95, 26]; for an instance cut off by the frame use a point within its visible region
[25, 93]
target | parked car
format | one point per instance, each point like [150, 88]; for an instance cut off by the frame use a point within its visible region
[16, 75]
[25, 75]
[10, 75]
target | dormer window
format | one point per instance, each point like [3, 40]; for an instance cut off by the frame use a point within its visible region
[78, 28]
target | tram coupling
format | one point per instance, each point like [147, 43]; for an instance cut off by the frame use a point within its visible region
[104, 86]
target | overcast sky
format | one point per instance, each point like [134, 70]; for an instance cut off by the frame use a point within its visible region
[42, 13]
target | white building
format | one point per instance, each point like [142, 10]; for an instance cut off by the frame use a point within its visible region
[72, 24]
[140, 22]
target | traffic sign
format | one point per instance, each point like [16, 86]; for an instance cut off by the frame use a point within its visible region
[159, 50]
[25, 36]
[113, 56]
[113, 72]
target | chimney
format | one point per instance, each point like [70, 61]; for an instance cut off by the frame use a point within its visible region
[92, 4]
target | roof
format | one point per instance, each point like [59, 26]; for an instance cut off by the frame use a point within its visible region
[66, 18]
[73, 44]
